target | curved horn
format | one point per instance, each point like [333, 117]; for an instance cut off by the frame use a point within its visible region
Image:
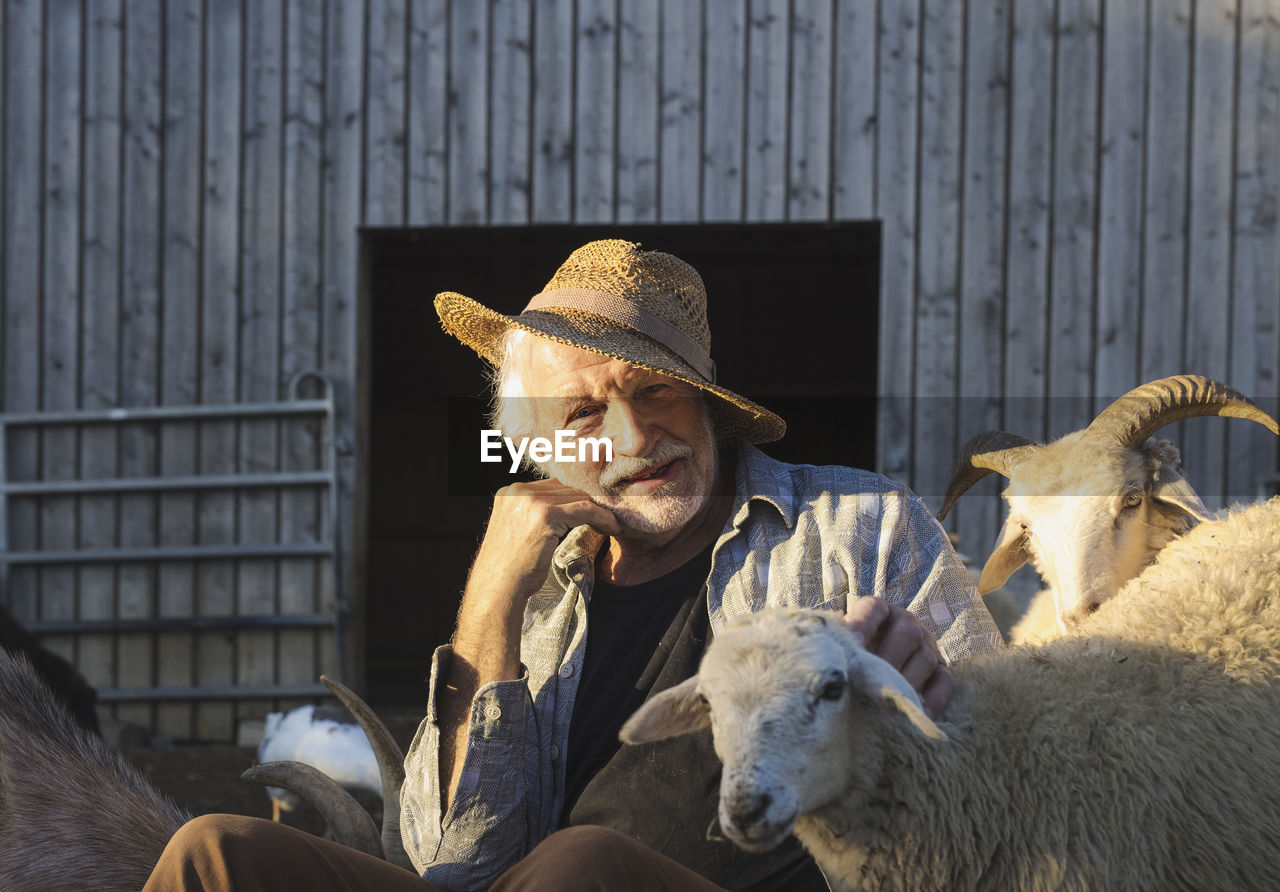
[1134, 417]
[390, 768]
[350, 823]
[992, 451]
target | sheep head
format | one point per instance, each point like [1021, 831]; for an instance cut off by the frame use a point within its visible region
[790, 696]
[1093, 508]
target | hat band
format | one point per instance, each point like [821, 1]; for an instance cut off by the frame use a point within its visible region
[632, 315]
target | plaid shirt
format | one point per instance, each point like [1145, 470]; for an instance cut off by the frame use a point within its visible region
[799, 535]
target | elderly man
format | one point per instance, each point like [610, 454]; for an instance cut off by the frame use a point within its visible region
[600, 585]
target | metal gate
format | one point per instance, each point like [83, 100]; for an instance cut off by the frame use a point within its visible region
[25, 567]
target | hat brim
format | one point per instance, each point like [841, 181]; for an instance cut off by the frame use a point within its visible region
[483, 329]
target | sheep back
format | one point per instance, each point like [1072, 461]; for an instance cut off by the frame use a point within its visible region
[1214, 592]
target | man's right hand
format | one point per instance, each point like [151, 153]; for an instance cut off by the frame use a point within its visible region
[526, 524]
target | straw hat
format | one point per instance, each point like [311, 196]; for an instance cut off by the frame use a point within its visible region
[642, 307]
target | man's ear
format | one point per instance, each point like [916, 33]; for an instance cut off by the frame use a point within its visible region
[881, 681]
[677, 710]
[1010, 554]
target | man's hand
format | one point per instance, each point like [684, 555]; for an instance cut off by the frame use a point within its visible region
[526, 524]
[896, 636]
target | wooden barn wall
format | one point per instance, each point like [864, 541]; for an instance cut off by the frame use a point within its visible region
[1077, 195]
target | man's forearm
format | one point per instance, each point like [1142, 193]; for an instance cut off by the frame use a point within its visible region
[486, 648]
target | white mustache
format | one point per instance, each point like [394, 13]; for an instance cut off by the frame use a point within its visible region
[624, 466]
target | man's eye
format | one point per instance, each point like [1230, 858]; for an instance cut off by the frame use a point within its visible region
[652, 389]
[584, 412]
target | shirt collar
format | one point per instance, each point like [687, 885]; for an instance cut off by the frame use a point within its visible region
[582, 543]
[760, 478]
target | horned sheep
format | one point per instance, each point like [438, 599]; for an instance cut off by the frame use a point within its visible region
[1140, 753]
[1093, 508]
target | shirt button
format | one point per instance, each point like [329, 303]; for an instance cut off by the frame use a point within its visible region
[555, 752]
[566, 670]
[493, 712]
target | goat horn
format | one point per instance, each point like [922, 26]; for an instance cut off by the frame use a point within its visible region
[390, 768]
[1134, 417]
[993, 451]
[350, 823]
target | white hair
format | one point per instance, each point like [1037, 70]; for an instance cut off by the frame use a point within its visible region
[509, 409]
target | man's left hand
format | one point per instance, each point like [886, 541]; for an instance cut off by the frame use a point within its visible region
[894, 635]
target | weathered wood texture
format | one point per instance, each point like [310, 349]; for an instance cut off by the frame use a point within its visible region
[1077, 195]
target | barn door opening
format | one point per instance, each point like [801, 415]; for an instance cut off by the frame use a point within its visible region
[793, 315]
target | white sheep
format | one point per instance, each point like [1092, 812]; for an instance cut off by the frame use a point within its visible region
[1094, 507]
[1143, 756]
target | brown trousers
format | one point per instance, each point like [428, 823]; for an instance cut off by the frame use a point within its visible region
[231, 852]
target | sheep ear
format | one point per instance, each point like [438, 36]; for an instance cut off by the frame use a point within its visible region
[677, 710]
[1174, 495]
[1010, 554]
[914, 712]
[879, 679]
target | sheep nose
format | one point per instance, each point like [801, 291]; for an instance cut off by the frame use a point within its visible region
[747, 810]
[1082, 613]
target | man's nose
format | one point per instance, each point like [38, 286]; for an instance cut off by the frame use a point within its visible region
[630, 430]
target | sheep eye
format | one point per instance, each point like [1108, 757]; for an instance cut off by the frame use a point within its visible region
[1133, 499]
[833, 690]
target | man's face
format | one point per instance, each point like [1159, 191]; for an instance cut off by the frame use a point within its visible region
[664, 451]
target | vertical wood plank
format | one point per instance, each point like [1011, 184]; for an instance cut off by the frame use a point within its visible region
[1120, 201]
[60, 305]
[428, 111]
[553, 111]
[724, 157]
[982, 258]
[809, 133]
[1069, 349]
[939, 234]
[637, 149]
[299, 580]
[1209, 236]
[138, 334]
[101, 251]
[259, 316]
[594, 110]
[509, 112]
[1255, 314]
[182, 115]
[344, 122]
[768, 63]
[385, 192]
[854, 161]
[1165, 229]
[23, 234]
[1027, 272]
[680, 136]
[468, 113]
[897, 144]
[220, 359]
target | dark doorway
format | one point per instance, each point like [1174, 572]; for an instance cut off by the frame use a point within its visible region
[793, 314]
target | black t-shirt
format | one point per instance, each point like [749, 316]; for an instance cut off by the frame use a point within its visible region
[631, 630]
[642, 640]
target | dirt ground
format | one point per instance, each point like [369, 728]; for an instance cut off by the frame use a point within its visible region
[205, 778]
